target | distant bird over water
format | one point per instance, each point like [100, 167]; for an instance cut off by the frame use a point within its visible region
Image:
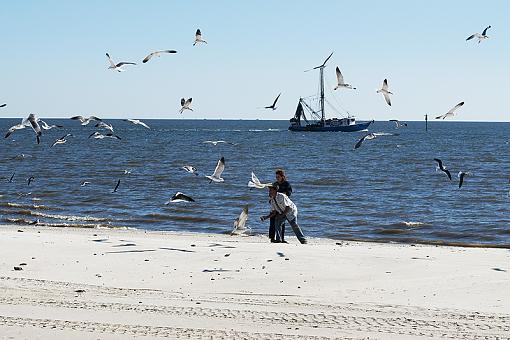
[45, 125]
[441, 167]
[385, 91]
[85, 121]
[34, 122]
[461, 176]
[179, 197]
[216, 176]
[362, 139]
[198, 38]
[185, 104]
[273, 106]
[98, 135]
[84, 183]
[117, 186]
[480, 37]
[340, 81]
[398, 123]
[30, 180]
[190, 169]
[61, 140]
[157, 54]
[137, 122]
[451, 113]
[119, 66]
[10, 179]
[103, 125]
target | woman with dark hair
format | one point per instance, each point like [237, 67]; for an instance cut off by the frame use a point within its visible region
[284, 187]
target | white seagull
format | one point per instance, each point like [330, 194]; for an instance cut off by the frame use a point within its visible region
[156, 54]
[255, 183]
[273, 106]
[33, 121]
[61, 140]
[450, 113]
[85, 121]
[340, 81]
[98, 135]
[45, 125]
[84, 183]
[461, 176]
[372, 136]
[190, 169]
[480, 37]
[19, 126]
[117, 67]
[137, 122]
[398, 123]
[198, 38]
[179, 197]
[185, 104]
[103, 125]
[386, 93]
[240, 223]
[216, 176]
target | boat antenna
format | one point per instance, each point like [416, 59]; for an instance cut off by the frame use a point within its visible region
[321, 69]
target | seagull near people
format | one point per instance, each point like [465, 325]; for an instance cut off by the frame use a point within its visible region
[98, 135]
[216, 176]
[480, 37]
[103, 125]
[85, 121]
[441, 167]
[386, 93]
[185, 104]
[117, 186]
[179, 197]
[117, 67]
[450, 113]
[190, 169]
[61, 140]
[30, 180]
[137, 122]
[255, 183]
[340, 81]
[198, 38]
[461, 176]
[398, 123]
[45, 125]
[240, 223]
[156, 54]
[273, 106]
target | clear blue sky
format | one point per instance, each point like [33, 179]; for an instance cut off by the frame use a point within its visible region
[53, 62]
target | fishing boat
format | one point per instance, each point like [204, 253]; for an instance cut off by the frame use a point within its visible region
[318, 121]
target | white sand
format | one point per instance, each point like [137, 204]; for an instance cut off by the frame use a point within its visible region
[155, 285]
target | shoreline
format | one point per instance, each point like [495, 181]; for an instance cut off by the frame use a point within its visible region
[135, 284]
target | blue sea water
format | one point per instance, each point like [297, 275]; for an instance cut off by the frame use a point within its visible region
[387, 190]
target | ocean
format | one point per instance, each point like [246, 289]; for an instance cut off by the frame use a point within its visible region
[388, 190]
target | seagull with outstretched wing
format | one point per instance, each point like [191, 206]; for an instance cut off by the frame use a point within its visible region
[240, 226]
[216, 176]
[179, 197]
[273, 106]
[479, 36]
[340, 81]
[441, 167]
[157, 54]
[451, 113]
[119, 66]
[385, 91]
[137, 122]
[198, 38]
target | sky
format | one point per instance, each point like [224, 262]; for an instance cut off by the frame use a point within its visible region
[53, 62]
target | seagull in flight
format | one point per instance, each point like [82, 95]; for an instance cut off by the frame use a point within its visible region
[479, 36]
[20, 126]
[372, 135]
[103, 125]
[340, 81]
[461, 176]
[137, 122]
[190, 169]
[179, 197]
[84, 183]
[117, 186]
[273, 106]
[441, 167]
[240, 223]
[98, 135]
[3, 105]
[216, 176]
[198, 38]
[34, 123]
[30, 180]
[185, 104]
[398, 123]
[45, 125]
[156, 54]
[450, 113]
[86, 121]
[255, 183]
[386, 93]
[61, 140]
[10, 179]
[117, 67]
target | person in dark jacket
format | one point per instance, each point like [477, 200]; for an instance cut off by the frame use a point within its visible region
[285, 188]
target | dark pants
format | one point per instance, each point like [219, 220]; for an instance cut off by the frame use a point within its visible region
[272, 230]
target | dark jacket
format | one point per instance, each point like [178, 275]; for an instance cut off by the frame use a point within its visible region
[284, 188]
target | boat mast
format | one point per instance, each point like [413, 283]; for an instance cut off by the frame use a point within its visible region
[321, 69]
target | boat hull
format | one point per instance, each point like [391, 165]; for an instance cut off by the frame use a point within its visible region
[344, 128]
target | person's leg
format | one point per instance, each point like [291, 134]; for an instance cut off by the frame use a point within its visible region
[282, 229]
[271, 229]
[278, 221]
[297, 230]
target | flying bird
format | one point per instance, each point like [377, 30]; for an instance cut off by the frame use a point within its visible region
[10, 179]
[98, 135]
[461, 176]
[255, 183]
[103, 125]
[190, 169]
[240, 223]
[398, 123]
[61, 140]
[480, 37]
[216, 176]
[450, 113]
[340, 81]
[179, 197]
[185, 104]
[441, 167]
[3, 105]
[30, 180]
[84, 183]
[85, 121]
[119, 66]
[362, 139]
[156, 54]
[273, 106]
[198, 38]
[117, 186]
[45, 125]
[386, 93]
[34, 123]
[20, 126]
[137, 122]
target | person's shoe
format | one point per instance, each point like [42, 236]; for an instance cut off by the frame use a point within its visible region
[303, 241]
[284, 241]
[276, 241]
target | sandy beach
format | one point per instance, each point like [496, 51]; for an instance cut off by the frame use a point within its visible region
[126, 284]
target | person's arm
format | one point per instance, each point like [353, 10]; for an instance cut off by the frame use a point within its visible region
[288, 189]
[271, 214]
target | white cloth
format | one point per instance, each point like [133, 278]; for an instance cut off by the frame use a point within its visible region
[280, 202]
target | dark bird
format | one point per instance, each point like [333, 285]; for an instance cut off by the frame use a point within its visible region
[3, 105]
[441, 167]
[461, 176]
[117, 67]
[30, 180]
[117, 186]
[273, 106]
[156, 54]
[480, 37]
[10, 180]
[180, 197]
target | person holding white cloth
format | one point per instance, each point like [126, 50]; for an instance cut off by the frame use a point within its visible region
[282, 208]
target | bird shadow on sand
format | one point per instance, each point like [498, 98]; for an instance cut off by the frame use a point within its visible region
[125, 245]
[221, 245]
[177, 249]
[130, 251]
